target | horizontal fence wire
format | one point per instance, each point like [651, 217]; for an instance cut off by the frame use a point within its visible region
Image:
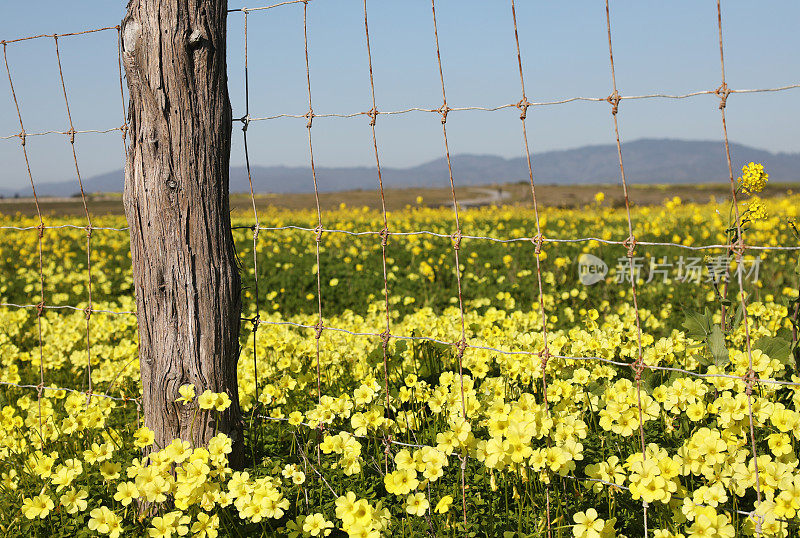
[737, 247]
[370, 113]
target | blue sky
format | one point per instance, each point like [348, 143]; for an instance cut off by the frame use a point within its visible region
[659, 46]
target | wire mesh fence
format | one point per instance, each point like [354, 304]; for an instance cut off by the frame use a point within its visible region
[533, 244]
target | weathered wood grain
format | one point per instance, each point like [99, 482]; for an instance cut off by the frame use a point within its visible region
[176, 201]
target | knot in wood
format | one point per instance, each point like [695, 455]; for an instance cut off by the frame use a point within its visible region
[723, 92]
[456, 238]
[630, 244]
[443, 110]
[196, 38]
[310, 116]
[318, 231]
[373, 116]
[384, 235]
[614, 100]
[523, 107]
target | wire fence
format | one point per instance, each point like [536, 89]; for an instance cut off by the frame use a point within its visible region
[737, 247]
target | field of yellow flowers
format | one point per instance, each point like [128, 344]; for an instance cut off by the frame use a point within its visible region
[517, 450]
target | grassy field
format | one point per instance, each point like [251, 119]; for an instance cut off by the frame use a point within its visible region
[566, 196]
[518, 443]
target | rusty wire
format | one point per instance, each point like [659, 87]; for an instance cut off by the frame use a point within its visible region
[537, 240]
[384, 236]
[494, 108]
[318, 236]
[88, 309]
[638, 366]
[462, 344]
[40, 234]
[735, 247]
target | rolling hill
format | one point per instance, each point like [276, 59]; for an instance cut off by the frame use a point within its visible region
[646, 161]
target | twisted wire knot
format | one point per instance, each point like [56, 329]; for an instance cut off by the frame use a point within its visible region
[456, 238]
[318, 232]
[737, 248]
[443, 110]
[630, 244]
[384, 235]
[39, 308]
[310, 116]
[373, 116]
[749, 378]
[638, 368]
[256, 228]
[88, 312]
[544, 355]
[22, 137]
[71, 134]
[723, 92]
[385, 336]
[614, 100]
[537, 240]
[318, 329]
[523, 107]
[461, 347]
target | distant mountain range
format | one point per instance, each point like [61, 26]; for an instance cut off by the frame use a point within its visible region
[646, 161]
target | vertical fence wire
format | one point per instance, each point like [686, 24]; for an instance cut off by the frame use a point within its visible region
[40, 233]
[537, 240]
[462, 344]
[256, 224]
[638, 366]
[738, 248]
[318, 231]
[88, 310]
[384, 235]
[124, 127]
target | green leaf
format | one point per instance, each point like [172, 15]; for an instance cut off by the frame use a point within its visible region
[775, 347]
[737, 317]
[697, 325]
[716, 342]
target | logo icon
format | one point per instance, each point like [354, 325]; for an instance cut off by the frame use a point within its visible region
[591, 269]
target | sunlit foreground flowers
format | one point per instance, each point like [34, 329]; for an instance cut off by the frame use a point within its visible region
[560, 444]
